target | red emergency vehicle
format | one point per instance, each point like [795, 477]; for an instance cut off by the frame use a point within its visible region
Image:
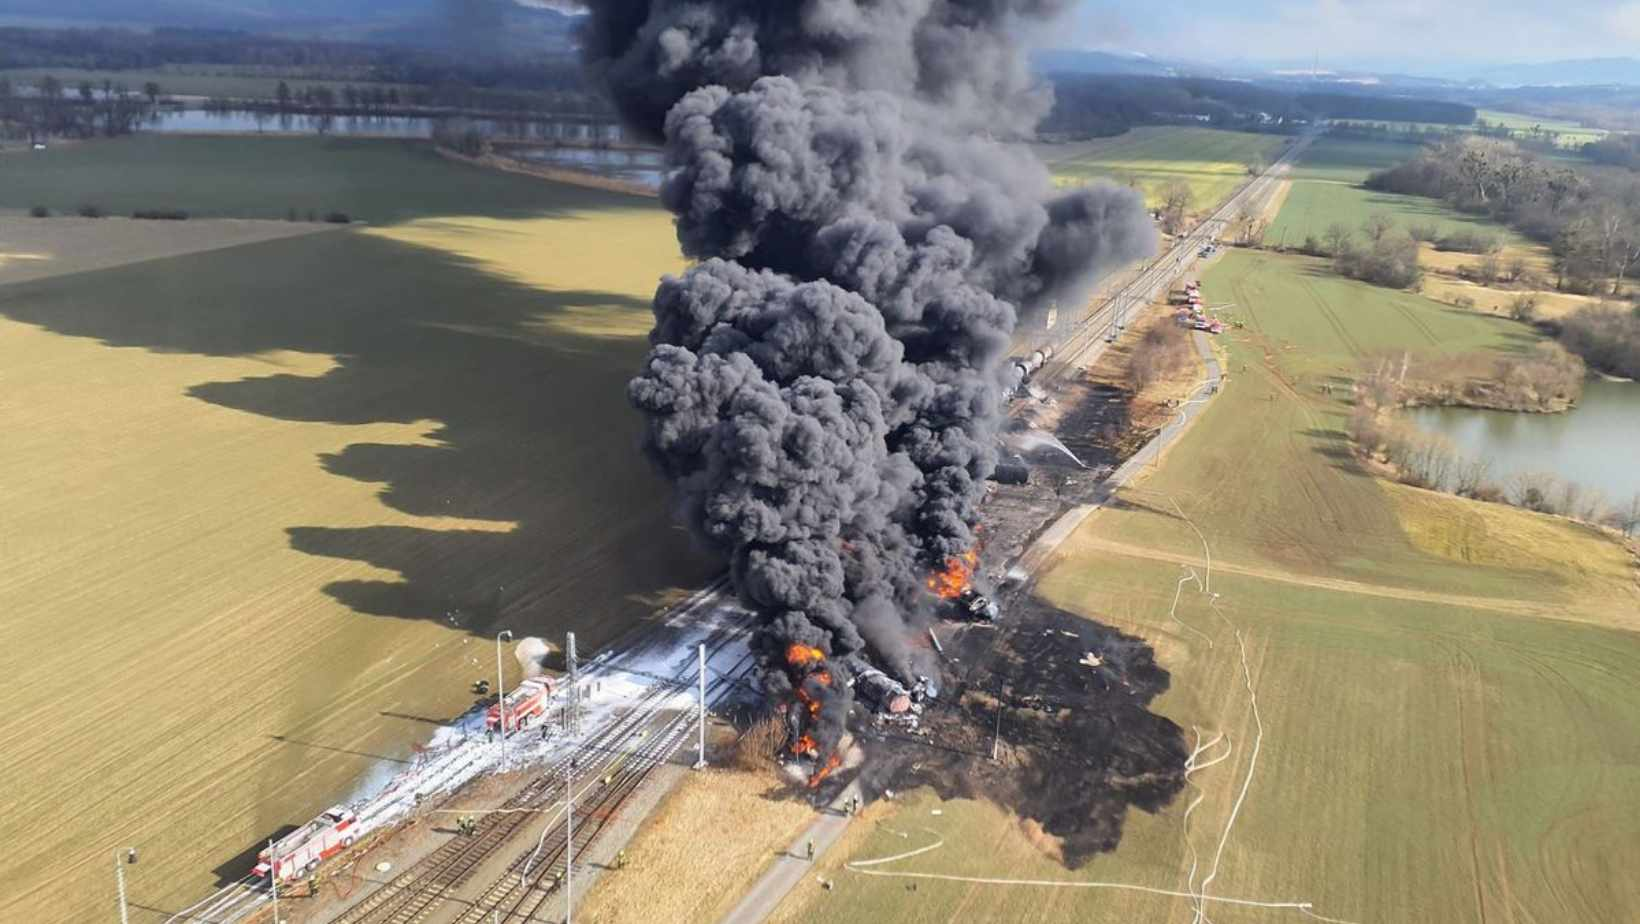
[523, 705]
[298, 853]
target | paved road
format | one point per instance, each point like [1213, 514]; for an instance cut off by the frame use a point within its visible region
[790, 867]
[1082, 345]
[1035, 557]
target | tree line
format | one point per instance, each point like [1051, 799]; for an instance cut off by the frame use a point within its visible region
[1591, 221]
[450, 78]
[1092, 105]
[83, 111]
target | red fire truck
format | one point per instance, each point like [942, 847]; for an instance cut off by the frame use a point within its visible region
[298, 853]
[524, 705]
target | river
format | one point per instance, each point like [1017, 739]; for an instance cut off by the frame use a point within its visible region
[1596, 444]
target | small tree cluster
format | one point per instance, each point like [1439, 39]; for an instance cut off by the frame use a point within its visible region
[1609, 339]
[1159, 353]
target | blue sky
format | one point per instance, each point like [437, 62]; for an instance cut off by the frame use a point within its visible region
[1435, 35]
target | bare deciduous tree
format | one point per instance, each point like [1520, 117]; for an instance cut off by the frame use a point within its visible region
[1377, 225]
[1176, 196]
[1337, 238]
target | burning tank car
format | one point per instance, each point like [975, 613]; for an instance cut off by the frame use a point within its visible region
[888, 699]
[972, 606]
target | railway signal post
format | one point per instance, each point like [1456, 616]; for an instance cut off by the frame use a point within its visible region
[569, 840]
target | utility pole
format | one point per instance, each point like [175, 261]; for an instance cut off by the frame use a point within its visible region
[569, 835]
[119, 880]
[273, 879]
[700, 763]
[996, 737]
[572, 702]
[501, 695]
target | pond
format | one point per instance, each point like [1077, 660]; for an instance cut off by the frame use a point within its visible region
[1596, 444]
[646, 167]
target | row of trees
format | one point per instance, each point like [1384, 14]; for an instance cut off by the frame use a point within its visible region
[1591, 221]
[546, 79]
[1090, 105]
[109, 109]
[1383, 254]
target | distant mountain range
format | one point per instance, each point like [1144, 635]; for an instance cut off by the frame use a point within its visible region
[1582, 72]
[1577, 72]
[1069, 61]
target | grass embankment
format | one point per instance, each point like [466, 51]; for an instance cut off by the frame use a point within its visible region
[668, 878]
[371, 180]
[1211, 162]
[1448, 692]
[267, 505]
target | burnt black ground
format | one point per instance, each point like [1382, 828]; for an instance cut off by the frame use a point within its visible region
[1078, 746]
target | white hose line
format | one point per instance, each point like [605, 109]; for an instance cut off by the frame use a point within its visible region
[1063, 884]
[1252, 761]
[856, 867]
[213, 900]
[1173, 612]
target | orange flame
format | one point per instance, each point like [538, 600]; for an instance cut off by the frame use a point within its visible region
[805, 745]
[801, 655]
[809, 701]
[957, 576]
[823, 772]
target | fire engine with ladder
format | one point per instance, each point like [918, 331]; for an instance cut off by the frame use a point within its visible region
[522, 707]
[299, 853]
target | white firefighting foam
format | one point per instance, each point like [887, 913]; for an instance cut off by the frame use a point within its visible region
[612, 684]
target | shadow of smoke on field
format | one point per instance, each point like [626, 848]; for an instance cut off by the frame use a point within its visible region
[528, 424]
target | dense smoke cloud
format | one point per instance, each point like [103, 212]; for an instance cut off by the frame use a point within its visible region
[954, 55]
[824, 386]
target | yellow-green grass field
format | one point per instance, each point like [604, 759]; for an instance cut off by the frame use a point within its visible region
[1326, 189]
[1569, 133]
[1416, 762]
[1212, 162]
[266, 505]
[1272, 479]
[1448, 691]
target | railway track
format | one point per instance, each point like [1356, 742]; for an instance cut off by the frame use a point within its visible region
[1087, 340]
[537, 874]
[416, 893]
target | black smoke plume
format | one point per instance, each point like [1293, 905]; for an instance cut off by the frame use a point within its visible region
[824, 386]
